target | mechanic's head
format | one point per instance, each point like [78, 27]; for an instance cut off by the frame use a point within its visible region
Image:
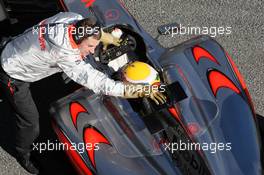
[87, 36]
[88, 45]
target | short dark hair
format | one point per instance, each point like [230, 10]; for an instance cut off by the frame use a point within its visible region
[90, 23]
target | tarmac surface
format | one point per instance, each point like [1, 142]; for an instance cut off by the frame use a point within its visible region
[245, 44]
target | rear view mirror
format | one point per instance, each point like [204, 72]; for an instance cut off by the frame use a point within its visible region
[168, 28]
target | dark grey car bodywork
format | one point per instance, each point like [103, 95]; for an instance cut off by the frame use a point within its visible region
[212, 99]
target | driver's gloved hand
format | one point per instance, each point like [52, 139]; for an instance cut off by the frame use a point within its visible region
[107, 39]
[138, 90]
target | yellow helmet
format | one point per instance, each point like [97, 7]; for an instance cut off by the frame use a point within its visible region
[141, 73]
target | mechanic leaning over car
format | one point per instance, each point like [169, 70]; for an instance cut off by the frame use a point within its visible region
[48, 48]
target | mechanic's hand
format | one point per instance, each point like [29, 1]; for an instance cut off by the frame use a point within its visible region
[138, 90]
[108, 39]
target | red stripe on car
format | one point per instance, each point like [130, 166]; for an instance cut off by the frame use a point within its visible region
[242, 82]
[75, 109]
[218, 80]
[200, 53]
[93, 136]
[175, 114]
[74, 156]
[63, 5]
[88, 3]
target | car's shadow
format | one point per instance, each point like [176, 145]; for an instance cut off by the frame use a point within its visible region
[44, 92]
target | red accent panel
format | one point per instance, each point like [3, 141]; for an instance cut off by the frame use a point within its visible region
[174, 112]
[63, 5]
[194, 128]
[239, 76]
[88, 3]
[250, 101]
[75, 109]
[93, 136]
[218, 80]
[74, 156]
[241, 80]
[112, 14]
[200, 53]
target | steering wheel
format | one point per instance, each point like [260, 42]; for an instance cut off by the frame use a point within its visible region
[112, 52]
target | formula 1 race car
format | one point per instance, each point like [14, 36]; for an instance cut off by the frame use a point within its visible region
[208, 125]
